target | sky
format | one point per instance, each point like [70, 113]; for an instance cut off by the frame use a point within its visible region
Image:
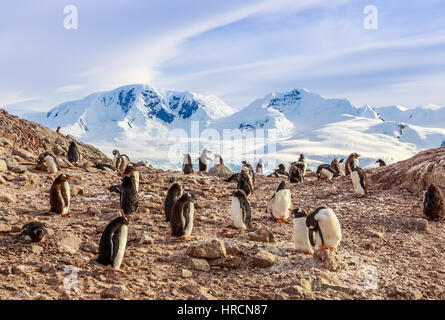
[238, 50]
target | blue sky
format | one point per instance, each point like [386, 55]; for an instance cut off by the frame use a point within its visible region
[237, 50]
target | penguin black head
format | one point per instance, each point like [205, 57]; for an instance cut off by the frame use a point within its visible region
[298, 213]
[39, 233]
[64, 177]
[281, 167]
[341, 160]
[282, 185]
[189, 196]
[115, 152]
[126, 182]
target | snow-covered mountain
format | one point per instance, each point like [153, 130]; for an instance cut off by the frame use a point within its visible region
[159, 126]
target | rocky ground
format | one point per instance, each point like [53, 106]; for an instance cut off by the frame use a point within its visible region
[388, 251]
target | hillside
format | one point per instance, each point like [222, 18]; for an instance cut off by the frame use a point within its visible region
[387, 250]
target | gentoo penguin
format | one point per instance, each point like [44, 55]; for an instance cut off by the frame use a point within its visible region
[173, 194]
[132, 172]
[128, 196]
[303, 159]
[120, 162]
[249, 168]
[433, 204]
[280, 203]
[351, 162]
[325, 171]
[181, 219]
[359, 182]
[35, 231]
[381, 163]
[218, 159]
[112, 243]
[335, 165]
[260, 167]
[245, 182]
[187, 166]
[325, 224]
[73, 153]
[58, 129]
[296, 172]
[280, 172]
[341, 167]
[50, 161]
[204, 161]
[59, 195]
[241, 211]
[301, 231]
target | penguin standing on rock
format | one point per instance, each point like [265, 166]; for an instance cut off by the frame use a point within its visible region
[187, 166]
[381, 163]
[173, 194]
[218, 159]
[304, 161]
[204, 161]
[260, 167]
[113, 243]
[296, 172]
[59, 195]
[301, 231]
[325, 171]
[73, 153]
[35, 231]
[241, 210]
[132, 172]
[324, 223]
[359, 182]
[181, 220]
[433, 203]
[280, 203]
[245, 182]
[128, 196]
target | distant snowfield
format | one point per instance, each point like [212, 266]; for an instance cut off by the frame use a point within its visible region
[159, 126]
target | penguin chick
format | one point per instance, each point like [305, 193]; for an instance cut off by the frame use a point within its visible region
[301, 231]
[73, 153]
[325, 224]
[112, 243]
[433, 203]
[35, 231]
[132, 172]
[296, 172]
[241, 210]
[181, 219]
[245, 182]
[280, 203]
[173, 194]
[49, 161]
[129, 199]
[59, 195]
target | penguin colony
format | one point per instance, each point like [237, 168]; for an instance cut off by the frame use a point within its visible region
[321, 228]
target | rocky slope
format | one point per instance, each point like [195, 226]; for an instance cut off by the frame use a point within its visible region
[387, 251]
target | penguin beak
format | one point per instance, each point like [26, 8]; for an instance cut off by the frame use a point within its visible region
[69, 177]
[195, 196]
[290, 210]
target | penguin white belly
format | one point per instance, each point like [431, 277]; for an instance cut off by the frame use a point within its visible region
[136, 180]
[50, 164]
[305, 167]
[115, 161]
[356, 164]
[330, 227]
[66, 206]
[124, 163]
[358, 189]
[189, 227]
[121, 250]
[300, 235]
[326, 174]
[260, 170]
[341, 166]
[237, 214]
[281, 204]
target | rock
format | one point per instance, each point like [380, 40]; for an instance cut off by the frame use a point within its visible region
[90, 247]
[8, 198]
[416, 224]
[326, 193]
[3, 166]
[227, 262]
[35, 248]
[4, 227]
[325, 282]
[191, 288]
[58, 150]
[220, 170]
[263, 259]
[67, 242]
[116, 292]
[2, 180]
[262, 234]
[374, 234]
[23, 154]
[200, 264]
[93, 211]
[328, 259]
[186, 273]
[45, 267]
[210, 249]
[232, 249]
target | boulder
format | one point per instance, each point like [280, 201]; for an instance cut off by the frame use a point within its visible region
[210, 249]
[262, 234]
[328, 259]
[3, 165]
[200, 264]
[67, 242]
[116, 292]
[221, 171]
[263, 259]
[416, 224]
